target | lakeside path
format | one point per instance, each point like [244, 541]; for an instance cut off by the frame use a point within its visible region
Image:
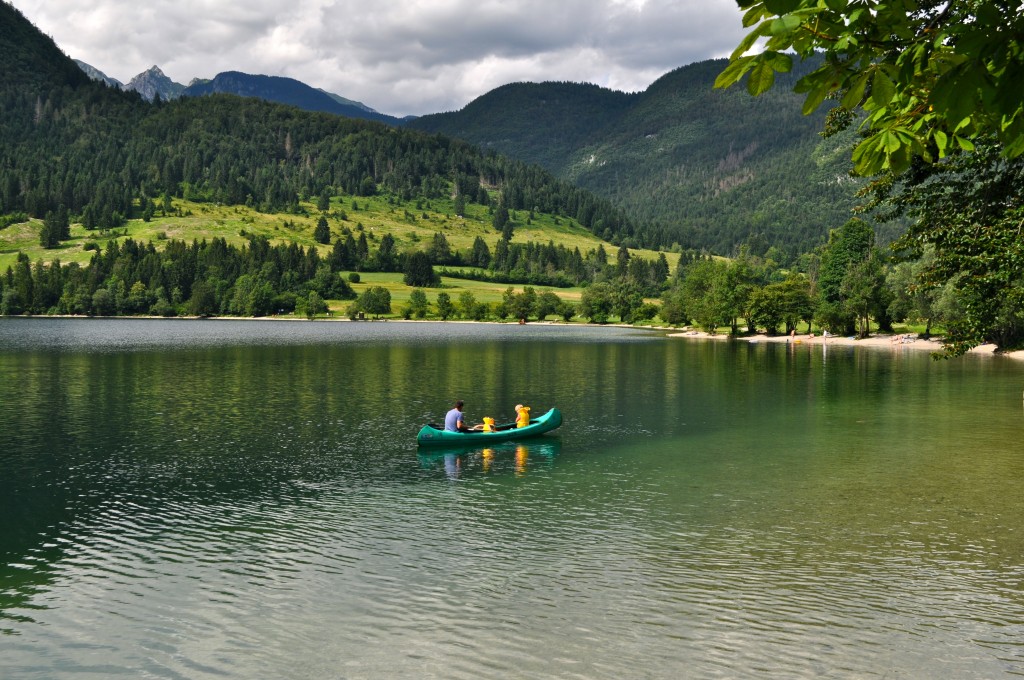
[909, 341]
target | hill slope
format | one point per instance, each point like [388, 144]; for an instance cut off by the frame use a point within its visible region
[541, 123]
[31, 61]
[284, 91]
[103, 155]
[713, 168]
[97, 74]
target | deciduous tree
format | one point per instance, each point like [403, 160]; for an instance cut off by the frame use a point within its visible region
[931, 75]
[445, 308]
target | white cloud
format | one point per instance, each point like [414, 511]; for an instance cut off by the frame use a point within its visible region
[398, 56]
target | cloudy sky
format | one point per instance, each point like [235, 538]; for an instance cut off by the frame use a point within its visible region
[398, 56]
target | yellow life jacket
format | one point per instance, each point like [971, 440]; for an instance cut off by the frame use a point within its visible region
[523, 419]
[488, 424]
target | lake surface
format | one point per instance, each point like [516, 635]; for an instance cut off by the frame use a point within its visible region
[243, 499]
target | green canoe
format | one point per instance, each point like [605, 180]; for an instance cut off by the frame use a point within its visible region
[432, 435]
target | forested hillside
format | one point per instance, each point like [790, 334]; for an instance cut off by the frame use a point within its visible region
[712, 168]
[538, 122]
[82, 165]
[67, 143]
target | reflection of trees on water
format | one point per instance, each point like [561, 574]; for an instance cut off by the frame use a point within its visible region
[515, 458]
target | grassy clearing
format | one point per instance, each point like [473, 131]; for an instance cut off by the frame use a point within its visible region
[483, 291]
[412, 225]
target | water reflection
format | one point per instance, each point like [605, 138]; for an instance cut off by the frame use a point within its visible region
[246, 507]
[517, 458]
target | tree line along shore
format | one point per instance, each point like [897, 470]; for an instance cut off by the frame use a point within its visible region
[846, 287]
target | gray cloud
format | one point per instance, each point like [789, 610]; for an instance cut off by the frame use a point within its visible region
[398, 56]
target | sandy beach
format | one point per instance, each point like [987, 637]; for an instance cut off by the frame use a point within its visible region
[899, 341]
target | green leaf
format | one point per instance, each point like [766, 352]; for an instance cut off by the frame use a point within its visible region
[780, 62]
[941, 141]
[748, 41]
[1014, 148]
[814, 100]
[836, 5]
[761, 78]
[964, 143]
[889, 141]
[733, 72]
[868, 158]
[855, 93]
[882, 89]
[955, 93]
[781, 7]
[754, 15]
[785, 25]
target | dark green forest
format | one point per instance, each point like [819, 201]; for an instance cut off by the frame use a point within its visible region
[536, 122]
[711, 169]
[697, 170]
[98, 153]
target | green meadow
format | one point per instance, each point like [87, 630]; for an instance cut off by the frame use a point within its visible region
[412, 224]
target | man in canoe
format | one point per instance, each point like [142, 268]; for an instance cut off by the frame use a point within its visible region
[453, 420]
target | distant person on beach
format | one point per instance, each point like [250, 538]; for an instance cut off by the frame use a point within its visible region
[453, 420]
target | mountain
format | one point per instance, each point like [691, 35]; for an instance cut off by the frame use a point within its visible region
[542, 123]
[31, 62]
[152, 83]
[99, 75]
[347, 102]
[285, 91]
[98, 155]
[714, 168]
[681, 162]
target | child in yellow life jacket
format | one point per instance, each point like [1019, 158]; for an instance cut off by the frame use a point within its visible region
[522, 415]
[488, 425]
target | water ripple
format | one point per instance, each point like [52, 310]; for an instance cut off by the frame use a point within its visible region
[256, 514]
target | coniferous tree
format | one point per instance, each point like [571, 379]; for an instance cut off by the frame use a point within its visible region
[419, 271]
[481, 254]
[362, 250]
[440, 251]
[323, 203]
[49, 235]
[322, 232]
[500, 218]
[387, 256]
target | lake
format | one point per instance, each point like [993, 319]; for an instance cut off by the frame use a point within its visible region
[243, 499]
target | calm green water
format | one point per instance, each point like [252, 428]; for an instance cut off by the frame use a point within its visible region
[245, 500]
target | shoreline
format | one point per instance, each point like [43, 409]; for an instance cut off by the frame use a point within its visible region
[898, 341]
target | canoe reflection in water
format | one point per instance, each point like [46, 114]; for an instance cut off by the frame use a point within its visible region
[516, 457]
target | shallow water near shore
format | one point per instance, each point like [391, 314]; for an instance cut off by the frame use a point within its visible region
[191, 499]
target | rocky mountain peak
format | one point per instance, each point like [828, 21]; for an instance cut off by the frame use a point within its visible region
[153, 82]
